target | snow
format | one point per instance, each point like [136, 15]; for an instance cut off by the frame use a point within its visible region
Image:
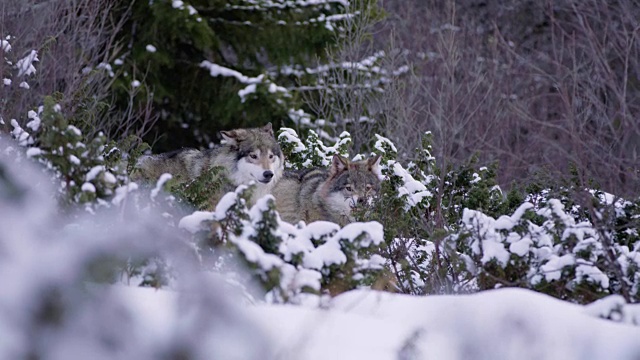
[273, 88]
[150, 48]
[193, 223]
[494, 250]
[365, 324]
[74, 160]
[217, 70]
[122, 191]
[289, 135]
[109, 178]
[521, 247]
[553, 268]
[74, 130]
[33, 151]
[20, 134]
[226, 202]
[88, 187]
[6, 81]
[254, 253]
[505, 323]
[354, 230]
[326, 254]
[319, 229]
[591, 274]
[25, 65]
[414, 190]
[306, 278]
[296, 245]
[5, 45]
[95, 171]
[375, 262]
[249, 89]
[381, 140]
[506, 222]
[614, 307]
[135, 83]
[160, 183]
[35, 122]
[24, 85]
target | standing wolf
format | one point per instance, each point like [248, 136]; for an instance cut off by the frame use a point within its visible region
[328, 194]
[246, 155]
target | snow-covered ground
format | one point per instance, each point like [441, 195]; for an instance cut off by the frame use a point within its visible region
[498, 324]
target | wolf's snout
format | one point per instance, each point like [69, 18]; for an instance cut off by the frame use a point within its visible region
[267, 175]
[362, 201]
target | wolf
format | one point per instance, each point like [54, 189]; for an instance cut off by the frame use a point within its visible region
[328, 194]
[246, 155]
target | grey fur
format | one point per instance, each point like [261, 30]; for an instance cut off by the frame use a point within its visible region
[321, 194]
[234, 155]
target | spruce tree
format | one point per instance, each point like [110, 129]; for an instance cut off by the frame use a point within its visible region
[210, 65]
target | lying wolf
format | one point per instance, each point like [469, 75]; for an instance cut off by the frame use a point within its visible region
[246, 155]
[327, 194]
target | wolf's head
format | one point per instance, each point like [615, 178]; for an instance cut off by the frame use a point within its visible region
[258, 155]
[351, 184]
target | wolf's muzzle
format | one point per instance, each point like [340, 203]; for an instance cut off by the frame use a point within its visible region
[267, 176]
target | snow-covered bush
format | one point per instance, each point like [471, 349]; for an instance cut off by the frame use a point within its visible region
[287, 261]
[551, 249]
[454, 230]
[87, 170]
[312, 152]
[202, 192]
[53, 305]
[77, 162]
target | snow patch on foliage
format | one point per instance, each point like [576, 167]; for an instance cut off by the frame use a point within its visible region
[25, 65]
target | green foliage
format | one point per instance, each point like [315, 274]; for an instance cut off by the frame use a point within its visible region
[285, 261]
[203, 191]
[266, 227]
[211, 65]
[147, 271]
[455, 231]
[78, 162]
[311, 152]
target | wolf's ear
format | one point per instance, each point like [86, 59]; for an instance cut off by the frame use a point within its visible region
[233, 137]
[373, 163]
[267, 128]
[338, 164]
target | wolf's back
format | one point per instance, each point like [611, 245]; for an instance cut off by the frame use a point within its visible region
[287, 195]
[183, 164]
[295, 194]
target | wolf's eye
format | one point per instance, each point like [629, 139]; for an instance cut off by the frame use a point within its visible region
[271, 156]
[348, 188]
[253, 156]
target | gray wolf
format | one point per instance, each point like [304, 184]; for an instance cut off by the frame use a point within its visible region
[327, 194]
[245, 154]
